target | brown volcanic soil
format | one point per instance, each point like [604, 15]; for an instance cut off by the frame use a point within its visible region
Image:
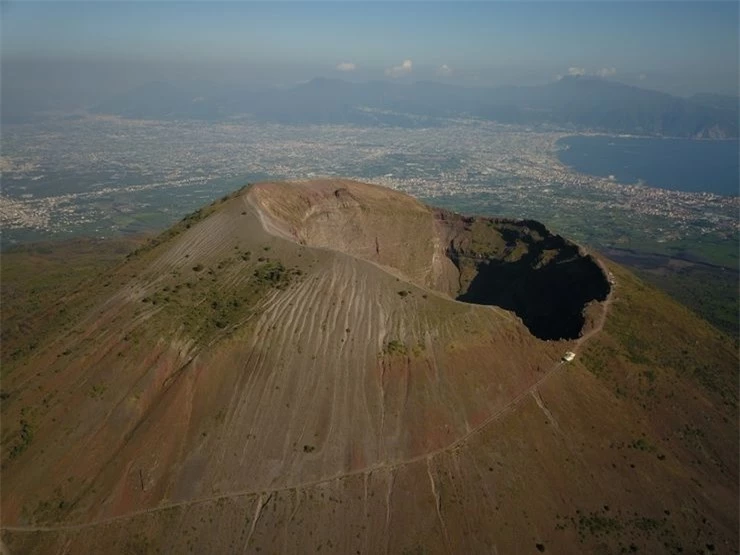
[287, 371]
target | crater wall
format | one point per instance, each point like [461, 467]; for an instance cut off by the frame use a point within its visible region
[517, 265]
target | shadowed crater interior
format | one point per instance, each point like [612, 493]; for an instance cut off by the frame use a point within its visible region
[520, 266]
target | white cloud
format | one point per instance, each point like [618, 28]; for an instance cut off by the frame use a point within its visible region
[642, 77]
[346, 66]
[398, 71]
[576, 71]
[606, 71]
[444, 70]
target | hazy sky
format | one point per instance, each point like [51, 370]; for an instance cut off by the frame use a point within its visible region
[681, 46]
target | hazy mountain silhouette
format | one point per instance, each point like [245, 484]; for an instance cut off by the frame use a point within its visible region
[574, 101]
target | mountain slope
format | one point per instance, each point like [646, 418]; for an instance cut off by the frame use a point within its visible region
[287, 370]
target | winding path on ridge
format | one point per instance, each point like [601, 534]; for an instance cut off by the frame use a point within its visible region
[385, 466]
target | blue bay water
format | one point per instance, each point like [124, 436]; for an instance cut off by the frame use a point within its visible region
[676, 164]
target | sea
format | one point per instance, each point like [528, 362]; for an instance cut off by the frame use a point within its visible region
[689, 165]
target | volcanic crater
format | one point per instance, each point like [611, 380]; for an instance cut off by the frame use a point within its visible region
[518, 265]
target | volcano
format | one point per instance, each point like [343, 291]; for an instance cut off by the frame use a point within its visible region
[332, 366]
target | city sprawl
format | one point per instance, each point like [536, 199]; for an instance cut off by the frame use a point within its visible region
[104, 175]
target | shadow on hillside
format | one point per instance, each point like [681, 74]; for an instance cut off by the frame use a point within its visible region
[550, 300]
[519, 265]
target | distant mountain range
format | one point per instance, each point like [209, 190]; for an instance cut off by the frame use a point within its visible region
[572, 102]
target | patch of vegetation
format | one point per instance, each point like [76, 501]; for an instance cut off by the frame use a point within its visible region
[418, 349]
[97, 391]
[485, 240]
[395, 347]
[200, 306]
[652, 340]
[625, 532]
[710, 291]
[596, 524]
[44, 287]
[598, 358]
[24, 439]
[50, 509]
[137, 543]
[642, 445]
[273, 274]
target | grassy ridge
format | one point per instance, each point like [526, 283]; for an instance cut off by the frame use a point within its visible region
[650, 334]
[36, 279]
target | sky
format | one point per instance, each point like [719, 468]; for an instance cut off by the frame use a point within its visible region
[681, 47]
